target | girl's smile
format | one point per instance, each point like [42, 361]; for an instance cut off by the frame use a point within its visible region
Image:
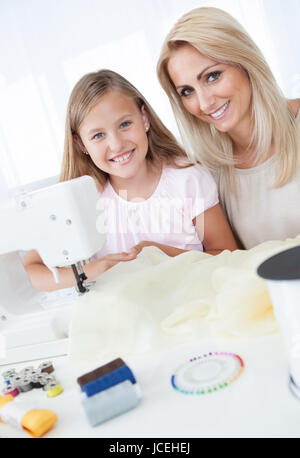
[123, 158]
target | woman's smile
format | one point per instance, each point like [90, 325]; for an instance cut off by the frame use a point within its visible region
[220, 113]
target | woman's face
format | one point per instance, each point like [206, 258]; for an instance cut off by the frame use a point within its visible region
[216, 93]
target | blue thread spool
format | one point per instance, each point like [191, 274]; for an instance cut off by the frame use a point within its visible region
[108, 380]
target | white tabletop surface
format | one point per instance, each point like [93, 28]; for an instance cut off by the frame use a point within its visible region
[258, 404]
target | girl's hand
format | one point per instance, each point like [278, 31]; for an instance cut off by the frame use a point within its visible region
[42, 278]
[110, 260]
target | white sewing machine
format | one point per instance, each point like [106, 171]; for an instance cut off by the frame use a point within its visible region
[59, 222]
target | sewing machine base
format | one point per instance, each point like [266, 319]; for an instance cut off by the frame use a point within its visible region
[35, 336]
[43, 350]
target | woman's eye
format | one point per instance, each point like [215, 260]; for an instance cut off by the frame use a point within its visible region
[125, 124]
[213, 76]
[185, 92]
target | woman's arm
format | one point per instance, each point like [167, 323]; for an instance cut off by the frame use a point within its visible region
[169, 250]
[42, 278]
[213, 229]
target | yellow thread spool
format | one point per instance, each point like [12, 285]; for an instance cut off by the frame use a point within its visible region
[37, 422]
[53, 391]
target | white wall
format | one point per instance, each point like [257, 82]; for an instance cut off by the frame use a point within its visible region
[47, 45]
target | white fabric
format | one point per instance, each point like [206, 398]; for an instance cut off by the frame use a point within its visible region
[156, 301]
[259, 212]
[166, 217]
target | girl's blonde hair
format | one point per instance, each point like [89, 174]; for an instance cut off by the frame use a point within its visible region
[217, 35]
[163, 147]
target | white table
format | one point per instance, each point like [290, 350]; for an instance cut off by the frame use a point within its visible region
[258, 404]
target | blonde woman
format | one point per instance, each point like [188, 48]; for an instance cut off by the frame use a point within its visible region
[151, 194]
[234, 119]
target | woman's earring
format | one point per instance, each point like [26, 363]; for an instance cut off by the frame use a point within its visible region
[85, 152]
[147, 127]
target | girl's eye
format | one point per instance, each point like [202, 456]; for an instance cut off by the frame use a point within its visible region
[185, 92]
[97, 136]
[213, 76]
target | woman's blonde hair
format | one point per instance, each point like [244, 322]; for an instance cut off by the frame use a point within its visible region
[217, 35]
[163, 147]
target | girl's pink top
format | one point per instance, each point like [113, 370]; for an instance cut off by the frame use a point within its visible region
[165, 218]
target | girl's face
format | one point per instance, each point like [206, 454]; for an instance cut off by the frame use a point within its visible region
[216, 93]
[114, 135]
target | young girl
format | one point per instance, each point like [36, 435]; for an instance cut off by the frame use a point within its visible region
[150, 193]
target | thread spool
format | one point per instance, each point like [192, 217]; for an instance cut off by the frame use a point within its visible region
[36, 381]
[8, 376]
[16, 379]
[12, 391]
[25, 385]
[48, 379]
[110, 403]
[4, 400]
[47, 367]
[100, 371]
[26, 371]
[53, 389]
[109, 380]
[34, 373]
[36, 422]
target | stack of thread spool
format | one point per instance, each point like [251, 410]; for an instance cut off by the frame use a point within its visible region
[29, 378]
[108, 391]
[19, 414]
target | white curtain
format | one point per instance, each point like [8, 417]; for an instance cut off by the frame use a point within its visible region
[47, 45]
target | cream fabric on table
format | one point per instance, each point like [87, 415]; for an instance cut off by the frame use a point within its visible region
[156, 301]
